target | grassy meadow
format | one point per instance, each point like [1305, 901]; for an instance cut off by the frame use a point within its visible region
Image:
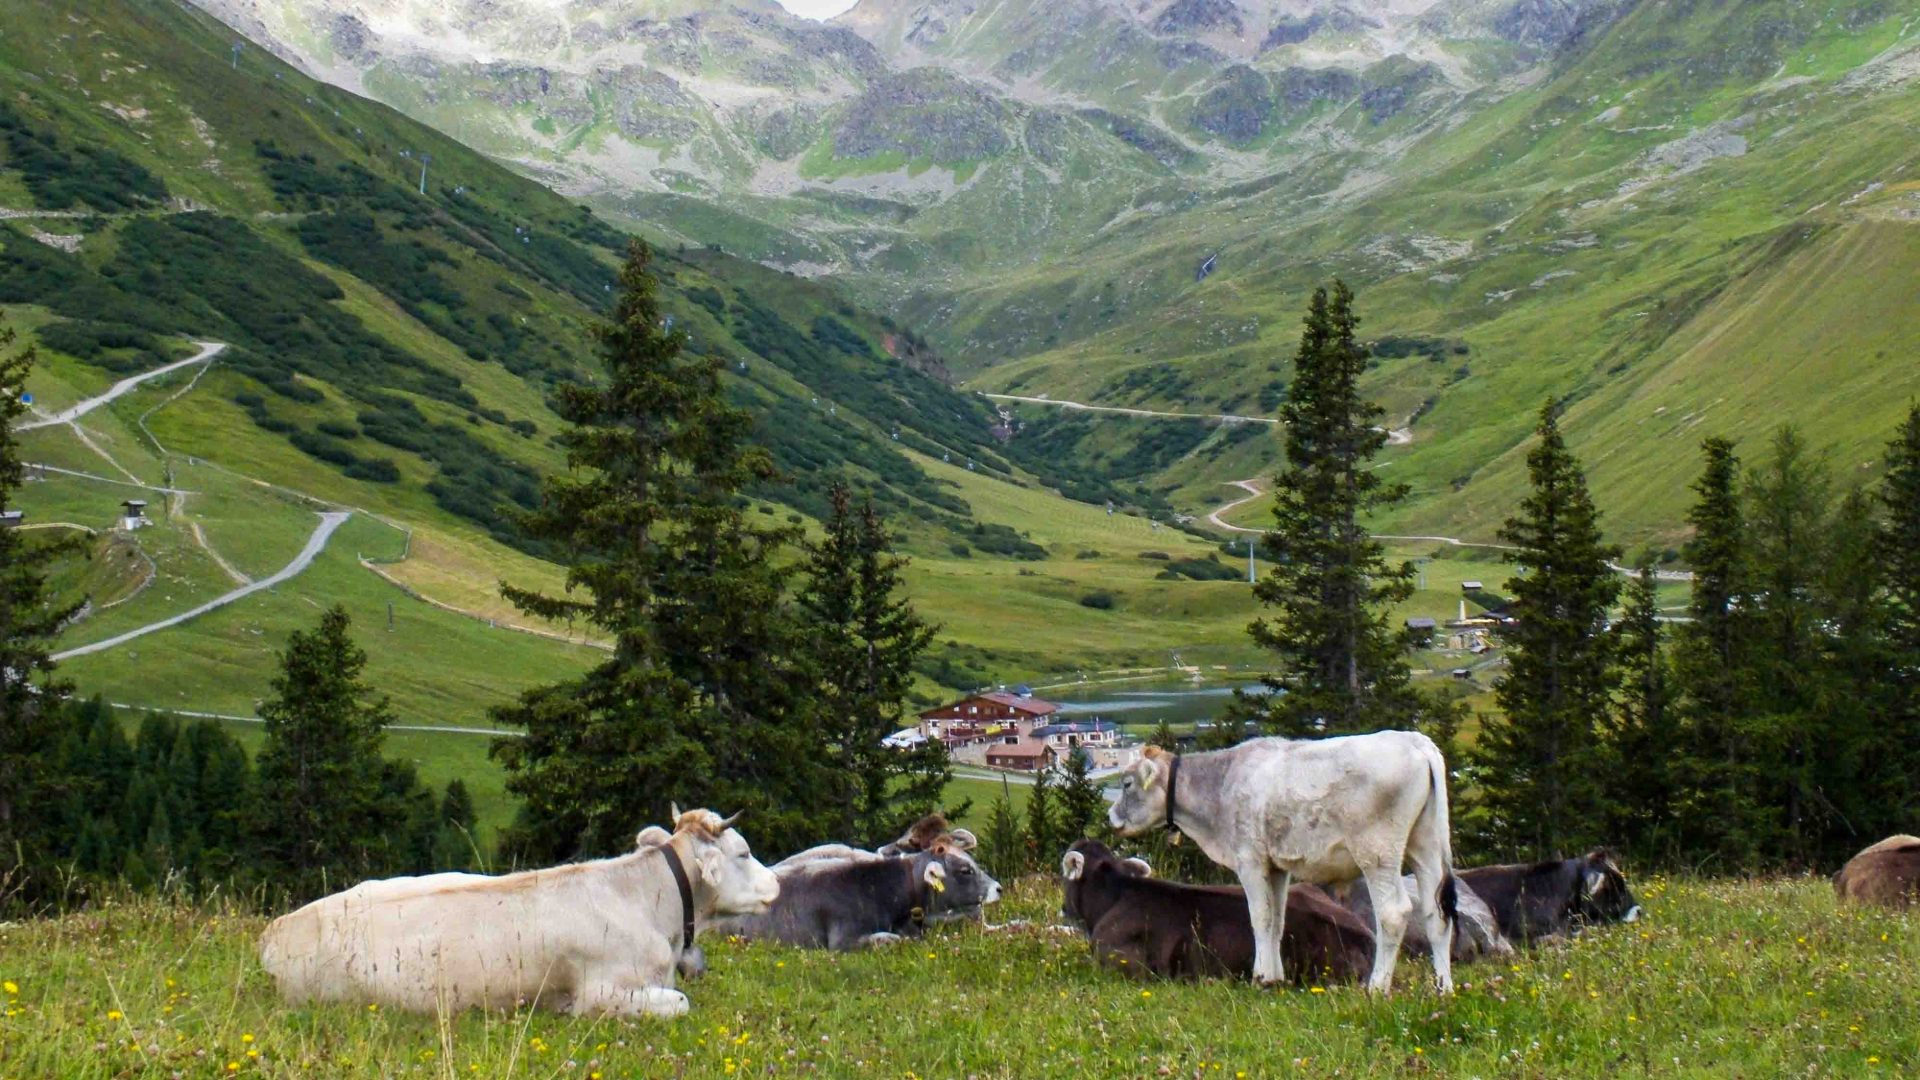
[1722, 978]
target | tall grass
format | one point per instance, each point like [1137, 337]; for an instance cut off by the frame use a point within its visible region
[1723, 978]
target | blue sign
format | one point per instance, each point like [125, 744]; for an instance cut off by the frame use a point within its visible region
[26, 399]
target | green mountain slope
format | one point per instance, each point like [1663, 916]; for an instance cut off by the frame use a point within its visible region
[390, 351]
[1533, 198]
[1701, 223]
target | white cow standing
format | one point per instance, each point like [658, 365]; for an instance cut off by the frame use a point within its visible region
[1324, 811]
[590, 937]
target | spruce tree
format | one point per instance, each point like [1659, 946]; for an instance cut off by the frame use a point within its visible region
[1641, 736]
[1080, 805]
[701, 701]
[1163, 736]
[456, 808]
[1341, 662]
[453, 845]
[30, 696]
[1005, 844]
[1858, 757]
[324, 816]
[1716, 810]
[1538, 757]
[862, 639]
[1899, 549]
[1787, 531]
[1043, 822]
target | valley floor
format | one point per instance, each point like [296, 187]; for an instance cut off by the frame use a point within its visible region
[1723, 978]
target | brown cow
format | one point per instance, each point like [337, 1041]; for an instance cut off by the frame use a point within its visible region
[1887, 874]
[1149, 927]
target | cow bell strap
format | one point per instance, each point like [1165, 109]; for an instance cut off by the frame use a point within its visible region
[686, 895]
[916, 895]
[1173, 782]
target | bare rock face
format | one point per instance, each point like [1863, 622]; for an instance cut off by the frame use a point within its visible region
[1550, 24]
[350, 38]
[784, 133]
[1238, 108]
[923, 113]
[1200, 15]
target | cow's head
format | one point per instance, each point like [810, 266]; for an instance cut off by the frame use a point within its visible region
[1602, 892]
[735, 882]
[956, 886]
[1143, 794]
[928, 831]
[1090, 857]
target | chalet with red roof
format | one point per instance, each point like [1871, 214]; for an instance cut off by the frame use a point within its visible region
[1000, 716]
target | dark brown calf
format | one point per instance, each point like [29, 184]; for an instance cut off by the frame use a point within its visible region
[1886, 874]
[1149, 927]
[1538, 901]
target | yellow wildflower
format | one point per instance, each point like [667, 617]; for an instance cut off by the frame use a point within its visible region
[10, 987]
[113, 1014]
[247, 1038]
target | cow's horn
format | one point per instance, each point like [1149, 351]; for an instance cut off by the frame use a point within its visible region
[727, 822]
[673, 812]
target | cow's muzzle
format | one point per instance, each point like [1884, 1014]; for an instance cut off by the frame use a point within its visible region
[1632, 915]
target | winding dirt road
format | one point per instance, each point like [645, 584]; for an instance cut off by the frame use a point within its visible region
[208, 350]
[1082, 406]
[329, 522]
[1253, 491]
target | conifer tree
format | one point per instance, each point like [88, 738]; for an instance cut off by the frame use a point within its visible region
[1043, 821]
[1787, 516]
[1163, 736]
[1538, 757]
[457, 807]
[1856, 737]
[702, 701]
[1716, 808]
[1641, 738]
[1339, 658]
[1899, 550]
[453, 844]
[1081, 807]
[29, 618]
[862, 639]
[1006, 847]
[324, 812]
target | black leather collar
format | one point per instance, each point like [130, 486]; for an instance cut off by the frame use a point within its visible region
[916, 893]
[686, 894]
[1173, 780]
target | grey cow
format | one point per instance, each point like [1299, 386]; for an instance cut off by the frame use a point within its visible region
[845, 905]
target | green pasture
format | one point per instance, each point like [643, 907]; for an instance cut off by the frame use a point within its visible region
[1722, 978]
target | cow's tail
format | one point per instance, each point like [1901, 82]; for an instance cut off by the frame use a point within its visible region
[1437, 820]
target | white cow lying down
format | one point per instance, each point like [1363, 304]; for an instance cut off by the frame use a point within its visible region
[589, 937]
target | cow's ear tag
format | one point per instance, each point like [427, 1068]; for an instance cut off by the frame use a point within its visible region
[1176, 838]
[1147, 778]
[936, 878]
